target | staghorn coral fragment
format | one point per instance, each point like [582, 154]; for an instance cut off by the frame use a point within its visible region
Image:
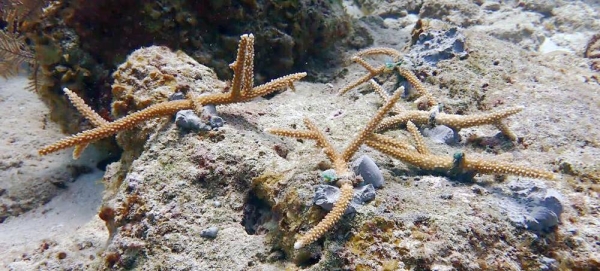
[128, 122]
[379, 51]
[88, 113]
[364, 78]
[84, 109]
[505, 130]
[455, 122]
[240, 92]
[460, 121]
[381, 92]
[419, 140]
[341, 165]
[372, 71]
[330, 219]
[371, 126]
[424, 95]
[496, 167]
[423, 161]
[460, 163]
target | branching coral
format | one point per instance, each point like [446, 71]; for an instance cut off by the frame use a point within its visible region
[432, 117]
[419, 156]
[241, 91]
[341, 166]
[459, 163]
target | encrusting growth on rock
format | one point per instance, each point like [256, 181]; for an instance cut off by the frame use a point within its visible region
[241, 91]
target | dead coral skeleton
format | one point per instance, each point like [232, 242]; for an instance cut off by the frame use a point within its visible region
[418, 156]
[241, 90]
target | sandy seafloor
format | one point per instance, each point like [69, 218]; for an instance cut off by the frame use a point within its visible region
[528, 55]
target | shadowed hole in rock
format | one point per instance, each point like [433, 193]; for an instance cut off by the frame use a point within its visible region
[258, 217]
[309, 257]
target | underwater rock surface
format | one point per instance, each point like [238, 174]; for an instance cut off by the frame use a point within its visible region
[258, 189]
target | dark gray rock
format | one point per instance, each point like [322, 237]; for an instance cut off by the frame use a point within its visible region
[531, 206]
[541, 218]
[210, 232]
[437, 45]
[209, 110]
[365, 167]
[216, 122]
[177, 96]
[441, 134]
[327, 195]
[187, 120]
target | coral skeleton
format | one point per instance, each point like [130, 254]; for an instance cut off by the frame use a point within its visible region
[419, 155]
[241, 91]
[341, 166]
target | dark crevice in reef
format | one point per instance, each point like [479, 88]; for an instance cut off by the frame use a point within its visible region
[257, 216]
[309, 257]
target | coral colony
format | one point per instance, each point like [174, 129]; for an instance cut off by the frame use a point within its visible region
[242, 90]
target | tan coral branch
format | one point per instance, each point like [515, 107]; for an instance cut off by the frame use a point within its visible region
[439, 163]
[339, 163]
[423, 93]
[370, 127]
[496, 167]
[419, 140]
[84, 109]
[361, 80]
[346, 194]
[423, 161]
[157, 110]
[456, 122]
[379, 51]
[372, 71]
[241, 91]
